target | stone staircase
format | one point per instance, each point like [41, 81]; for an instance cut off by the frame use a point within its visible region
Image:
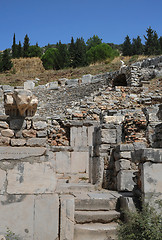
[95, 215]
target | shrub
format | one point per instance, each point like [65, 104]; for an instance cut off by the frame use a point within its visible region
[141, 225]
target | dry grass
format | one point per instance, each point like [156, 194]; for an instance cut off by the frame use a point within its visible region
[31, 68]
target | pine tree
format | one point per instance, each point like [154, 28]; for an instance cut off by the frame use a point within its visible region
[63, 57]
[14, 48]
[137, 46]
[80, 53]
[127, 47]
[26, 46]
[160, 42]
[93, 41]
[152, 46]
[6, 63]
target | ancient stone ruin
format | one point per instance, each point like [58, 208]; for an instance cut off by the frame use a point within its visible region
[73, 153]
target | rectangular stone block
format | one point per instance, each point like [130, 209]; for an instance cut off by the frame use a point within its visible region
[78, 136]
[26, 178]
[125, 180]
[67, 217]
[2, 181]
[122, 164]
[37, 142]
[124, 147]
[46, 219]
[108, 135]
[18, 153]
[151, 178]
[153, 155]
[17, 214]
[63, 164]
[80, 162]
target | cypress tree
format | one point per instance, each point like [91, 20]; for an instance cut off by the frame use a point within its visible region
[19, 50]
[72, 52]
[14, 47]
[26, 46]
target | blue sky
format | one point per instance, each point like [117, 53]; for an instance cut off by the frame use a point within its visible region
[48, 21]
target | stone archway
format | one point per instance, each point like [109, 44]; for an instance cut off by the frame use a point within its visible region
[120, 80]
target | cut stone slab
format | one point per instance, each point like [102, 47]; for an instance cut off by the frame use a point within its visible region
[18, 142]
[63, 164]
[26, 178]
[95, 231]
[124, 147]
[122, 164]
[108, 136]
[96, 216]
[151, 178]
[125, 180]
[79, 162]
[96, 202]
[2, 181]
[17, 153]
[153, 155]
[67, 217]
[37, 142]
[46, 217]
[114, 119]
[16, 213]
[39, 125]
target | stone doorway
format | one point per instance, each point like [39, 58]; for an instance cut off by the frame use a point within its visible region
[120, 80]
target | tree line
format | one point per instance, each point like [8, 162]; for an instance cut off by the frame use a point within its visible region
[75, 54]
[79, 53]
[152, 46]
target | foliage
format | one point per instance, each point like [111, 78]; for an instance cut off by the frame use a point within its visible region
[93, 41]
[10, 235]
[5, 62]
[26, 46]
[152, 45]
[50, 59]
[100, 52]
[142, 225]
[14, 47]
[137, 46]
[72, 52]
[127, 47]
[80, 53]
[160, 42]
[34, 51]
[63, 55]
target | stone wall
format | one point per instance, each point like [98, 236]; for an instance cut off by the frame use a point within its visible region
[87, 133]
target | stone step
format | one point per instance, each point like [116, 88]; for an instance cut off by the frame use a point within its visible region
[96, 216]
[96, 201]
[75, 187]
[95, 231]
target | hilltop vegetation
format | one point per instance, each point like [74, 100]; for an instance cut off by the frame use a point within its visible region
[76, 58]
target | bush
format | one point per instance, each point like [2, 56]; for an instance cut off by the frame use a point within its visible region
[141, 225]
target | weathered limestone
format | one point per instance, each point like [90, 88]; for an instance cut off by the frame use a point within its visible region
[67, 217]
[46, 217]
[30, 217]
[125, 180]
[19, 153]
[26, 178]
[20, 102]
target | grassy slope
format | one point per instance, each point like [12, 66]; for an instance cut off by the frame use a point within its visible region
[17, 79]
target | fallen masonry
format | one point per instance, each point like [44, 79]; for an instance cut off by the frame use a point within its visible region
[93, 147]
